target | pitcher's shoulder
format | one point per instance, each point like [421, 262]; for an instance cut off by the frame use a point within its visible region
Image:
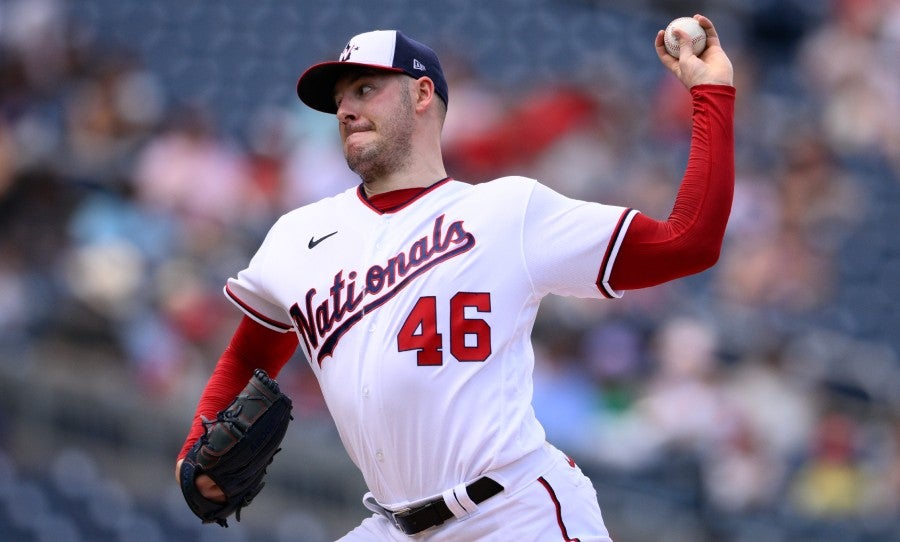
[325, 207]
[507, 184]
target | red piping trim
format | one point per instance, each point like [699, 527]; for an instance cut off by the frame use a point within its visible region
[559, 519]
[255, 314]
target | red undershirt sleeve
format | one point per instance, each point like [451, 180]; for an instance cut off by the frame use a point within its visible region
[253, 346]
[689, 241]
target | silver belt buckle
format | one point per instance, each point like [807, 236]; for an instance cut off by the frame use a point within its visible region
[399, 514]
[402, 512]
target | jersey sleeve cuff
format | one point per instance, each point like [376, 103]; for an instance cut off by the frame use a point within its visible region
[254, 314]
[609, 258]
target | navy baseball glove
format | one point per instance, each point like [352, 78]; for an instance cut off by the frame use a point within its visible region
[236, 449]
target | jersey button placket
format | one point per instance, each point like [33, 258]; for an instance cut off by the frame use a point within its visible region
[381, 231]
[380, 236]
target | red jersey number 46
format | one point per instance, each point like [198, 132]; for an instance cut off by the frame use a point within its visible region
[470, 338]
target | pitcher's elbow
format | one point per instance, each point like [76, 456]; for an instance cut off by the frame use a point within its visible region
[709, 256]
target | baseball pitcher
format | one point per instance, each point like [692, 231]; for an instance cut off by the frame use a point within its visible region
[413, 296]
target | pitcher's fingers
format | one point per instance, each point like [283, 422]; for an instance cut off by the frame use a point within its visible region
[712, 37]
[669, 61]
[209, 489]
[685, 45]
[661, 51]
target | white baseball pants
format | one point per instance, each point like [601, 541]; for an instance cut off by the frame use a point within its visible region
[561, 505]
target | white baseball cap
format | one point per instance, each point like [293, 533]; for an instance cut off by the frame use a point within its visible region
[387, 50]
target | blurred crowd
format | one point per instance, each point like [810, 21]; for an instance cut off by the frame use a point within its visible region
[124, 207]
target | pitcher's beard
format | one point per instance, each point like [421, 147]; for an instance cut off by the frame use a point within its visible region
[376, 162]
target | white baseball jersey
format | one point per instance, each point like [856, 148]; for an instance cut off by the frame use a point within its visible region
[417, 322]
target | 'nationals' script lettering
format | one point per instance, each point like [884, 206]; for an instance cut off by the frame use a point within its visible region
[324, 319]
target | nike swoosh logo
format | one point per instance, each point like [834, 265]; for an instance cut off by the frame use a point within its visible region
[313, 241]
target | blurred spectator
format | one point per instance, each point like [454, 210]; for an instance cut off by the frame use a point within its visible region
[778, 405]
[778, 272]
[844, 61]
[832, 482]
[315, 165]
[684, 400]
[564, 400]
[35, 31]
[681, 408]
[268, 146]
[614, 354]
[108, 115]
[189, 172]
[817, 198]
[774, 414]
[742, 474]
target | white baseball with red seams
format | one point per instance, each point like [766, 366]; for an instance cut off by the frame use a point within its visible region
[693, 29]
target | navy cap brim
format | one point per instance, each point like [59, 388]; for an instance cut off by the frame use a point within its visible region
[315, 87]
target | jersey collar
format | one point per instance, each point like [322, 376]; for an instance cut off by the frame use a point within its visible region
[395, 200]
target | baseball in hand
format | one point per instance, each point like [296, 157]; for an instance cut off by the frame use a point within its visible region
[693, 29]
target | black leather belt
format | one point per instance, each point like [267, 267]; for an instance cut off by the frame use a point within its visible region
[436, 512]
